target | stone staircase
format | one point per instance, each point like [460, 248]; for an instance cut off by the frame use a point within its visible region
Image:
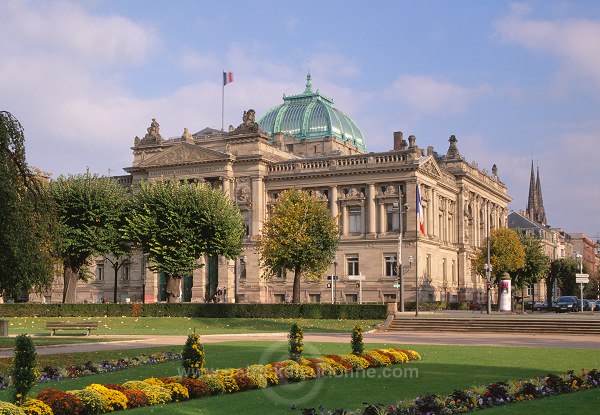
[496, 324]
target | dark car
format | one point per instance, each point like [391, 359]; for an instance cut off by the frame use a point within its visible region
[594, 305]
[588, 305]
[566, 303]
[476, 305]
[540, 306]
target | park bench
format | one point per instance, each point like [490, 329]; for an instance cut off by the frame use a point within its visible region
[68, 325]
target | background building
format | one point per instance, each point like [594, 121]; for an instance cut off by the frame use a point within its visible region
[307, 143]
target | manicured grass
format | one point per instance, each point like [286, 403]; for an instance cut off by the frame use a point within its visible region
[60, 361]
[183, 326]
[443, 369]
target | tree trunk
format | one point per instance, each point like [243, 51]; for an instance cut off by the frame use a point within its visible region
[173, 289]
[70, 278]
[116, 268]
[549, 286]
[296, 291]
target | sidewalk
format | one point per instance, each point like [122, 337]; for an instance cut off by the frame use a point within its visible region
[399, 338]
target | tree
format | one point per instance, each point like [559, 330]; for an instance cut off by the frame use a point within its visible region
[300, 235]
[175, 223]
[506, 253]
[90, 211]
[562, 271]
[536, 267]
[27, 227]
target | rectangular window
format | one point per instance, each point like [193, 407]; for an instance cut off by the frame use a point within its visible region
[100, 272]
[390, 265]
[125, 273]
[314, 298]
[246, 223]
[453, 272]
[392, 218]
[530, 290]
[355, 219]
[389, 298]
[444, 272]
[352, 298]
[352, 264]
[242, 270]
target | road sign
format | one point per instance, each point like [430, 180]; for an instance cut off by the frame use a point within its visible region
[582, 278]
[487, 284]
[396, 285]
[332, 277]
[357, 277]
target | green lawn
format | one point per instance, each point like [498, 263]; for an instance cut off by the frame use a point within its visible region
[9, 342]
[443, 369]
[183, 326]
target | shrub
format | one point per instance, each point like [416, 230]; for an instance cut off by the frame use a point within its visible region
[23, 373]
[115, 400]
[7, 408]
[35, 407]
[92, 400]
[178, 391]
[227, 377]
[62, 403]
[357, 341]
[195, 387]
[136, 398]
[357, 362]
[193, 356]
[156, 394]
[214, 383]
[295, 339]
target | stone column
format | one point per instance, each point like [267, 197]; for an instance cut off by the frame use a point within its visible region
[333, 201]
[372, 214]
[430, 221]
[258, 208]
[381, 222]
[434, 215]
[344, 219]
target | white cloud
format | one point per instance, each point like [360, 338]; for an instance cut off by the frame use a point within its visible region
[575, 41]
[427, 95]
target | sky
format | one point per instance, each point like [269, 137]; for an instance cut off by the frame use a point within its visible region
[516, 82]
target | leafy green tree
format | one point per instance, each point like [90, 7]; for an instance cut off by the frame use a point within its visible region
[27, 226]
[175, 223]
[506, 253]
[562, 271]
[300, 235]
[90, 211]
[536, 267]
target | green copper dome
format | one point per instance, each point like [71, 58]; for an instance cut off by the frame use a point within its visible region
[311, 115]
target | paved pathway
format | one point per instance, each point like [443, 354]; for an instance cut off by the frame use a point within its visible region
[404, 338]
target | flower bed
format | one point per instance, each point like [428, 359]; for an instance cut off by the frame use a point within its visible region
[97, 398]
[49, 373]
[493, 394]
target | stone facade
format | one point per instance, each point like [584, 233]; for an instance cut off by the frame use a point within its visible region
[365, 190]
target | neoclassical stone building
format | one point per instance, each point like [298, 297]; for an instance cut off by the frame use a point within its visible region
[307, 143]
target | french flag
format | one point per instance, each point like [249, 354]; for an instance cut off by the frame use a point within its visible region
[227, 78]
[420, 212]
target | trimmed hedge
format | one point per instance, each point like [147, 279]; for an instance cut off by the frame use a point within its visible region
[231, 310]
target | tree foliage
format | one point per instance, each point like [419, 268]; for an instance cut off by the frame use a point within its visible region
[27, 228]
[175, 223]
[506, 253]
[90, 212]
[537, 263]
[563, 272]
[300, 235]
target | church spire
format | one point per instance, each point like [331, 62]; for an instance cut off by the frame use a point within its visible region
[535, 204]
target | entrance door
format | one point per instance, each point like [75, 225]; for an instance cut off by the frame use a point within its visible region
[162, 287]
[212, 280]
[187, 289]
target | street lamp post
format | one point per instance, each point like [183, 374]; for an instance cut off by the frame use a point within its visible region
[580, 285]
[334, 282]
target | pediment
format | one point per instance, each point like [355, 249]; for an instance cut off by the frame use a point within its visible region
[430, 167]
[184, 154]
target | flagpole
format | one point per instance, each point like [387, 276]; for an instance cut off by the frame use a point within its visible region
[417, 225]
[223, 101]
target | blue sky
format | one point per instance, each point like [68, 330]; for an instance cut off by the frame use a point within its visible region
[514, 81]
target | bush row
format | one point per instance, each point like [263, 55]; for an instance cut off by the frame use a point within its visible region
[313, 311]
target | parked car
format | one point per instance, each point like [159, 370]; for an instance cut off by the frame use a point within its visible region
[476, 305]
[566, 303]
[588, 305]
[540, 306]
[595, 305]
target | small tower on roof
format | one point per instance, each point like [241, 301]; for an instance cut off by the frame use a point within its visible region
[535, 203]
